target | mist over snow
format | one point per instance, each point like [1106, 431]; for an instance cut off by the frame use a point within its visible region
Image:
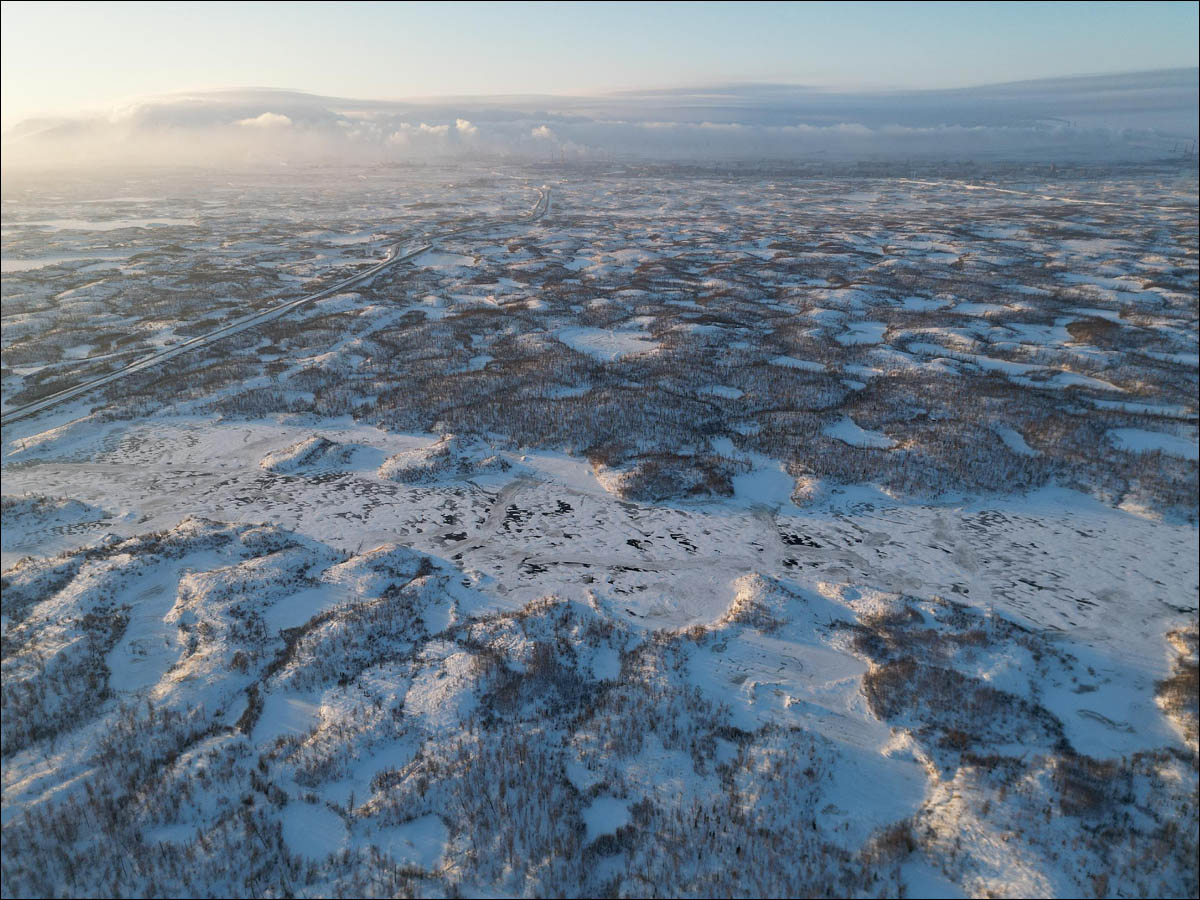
[1106, 118]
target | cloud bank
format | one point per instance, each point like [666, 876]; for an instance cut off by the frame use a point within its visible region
[266, 120]
[1104, 118]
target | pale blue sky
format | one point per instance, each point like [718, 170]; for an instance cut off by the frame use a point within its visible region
[61, 58]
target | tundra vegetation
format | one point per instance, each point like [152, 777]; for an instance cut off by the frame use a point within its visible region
[731, 531]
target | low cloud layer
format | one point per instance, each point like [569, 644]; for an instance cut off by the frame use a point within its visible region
[1109, 118]
[266, 120]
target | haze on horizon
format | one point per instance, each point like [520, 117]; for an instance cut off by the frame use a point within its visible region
[140, 83]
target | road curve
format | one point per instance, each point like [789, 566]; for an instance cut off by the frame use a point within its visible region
[393, 256]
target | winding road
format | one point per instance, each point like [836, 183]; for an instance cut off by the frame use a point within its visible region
[395, 254]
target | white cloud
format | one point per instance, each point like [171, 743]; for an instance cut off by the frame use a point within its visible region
[406, 133]
[267, 120]
[746, 123]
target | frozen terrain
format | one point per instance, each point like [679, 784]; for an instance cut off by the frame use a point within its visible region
[725, 532]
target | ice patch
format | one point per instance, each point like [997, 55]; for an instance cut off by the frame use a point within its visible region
[1014, 441]
[1139, 440]
[790, 362]
[849, 432]
[313, 830]
[922, 304]
[721, 390]
[605, 816]
[565, 392]
[604, 344]
[420, 842]
[285, 714]
[862, 333]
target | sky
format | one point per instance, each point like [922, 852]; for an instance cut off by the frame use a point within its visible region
[64, 58]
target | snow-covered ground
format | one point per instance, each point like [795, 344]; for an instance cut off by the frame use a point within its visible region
[604, 344]
[634, 554]
[849, 432]
[763, 600]
[1138, 440]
